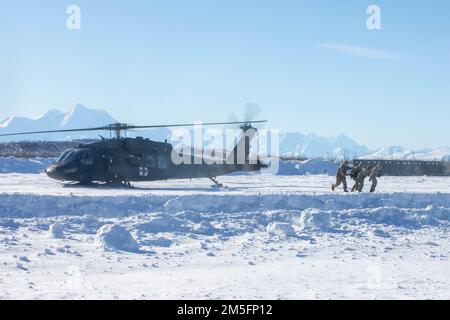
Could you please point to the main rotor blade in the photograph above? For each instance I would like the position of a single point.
(193, 124)
(122, 127)
(52, 131)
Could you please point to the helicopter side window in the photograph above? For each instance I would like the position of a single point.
(162, 161)
(135, 159)
(150, 160)
(86, 159)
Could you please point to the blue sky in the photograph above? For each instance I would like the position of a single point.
(313, 66)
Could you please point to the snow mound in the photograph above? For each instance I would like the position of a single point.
(205, 228)
(161, 223)
(315, 219)
(89, 222)
(115, 237)
(17, 205)
(402, 217)
(281, 229)
(56, 231)
(9, 223)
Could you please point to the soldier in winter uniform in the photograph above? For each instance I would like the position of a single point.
(340, 176)
(354, 175)
(373, 177)
(362, 175)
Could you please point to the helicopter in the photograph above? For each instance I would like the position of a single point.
(120, 160)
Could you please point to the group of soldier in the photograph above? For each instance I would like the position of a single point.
(359, 174)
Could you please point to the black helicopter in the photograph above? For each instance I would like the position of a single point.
(120, 160)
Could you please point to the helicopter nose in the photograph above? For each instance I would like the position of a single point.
(54, 172)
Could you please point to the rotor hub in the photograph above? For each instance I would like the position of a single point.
(117, 128)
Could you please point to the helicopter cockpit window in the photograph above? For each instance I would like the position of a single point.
(62, 156)
(162, 161)
(65, 156)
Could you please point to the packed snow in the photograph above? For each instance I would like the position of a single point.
(260, 236)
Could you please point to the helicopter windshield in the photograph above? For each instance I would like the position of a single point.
(76, 155)
(65, 156)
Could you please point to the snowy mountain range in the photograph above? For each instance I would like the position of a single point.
(291, 143)
(313, 146)
(77, 117)
(400, 153)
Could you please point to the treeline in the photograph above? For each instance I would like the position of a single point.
(293, 158)
(34, 149)
(303, 158)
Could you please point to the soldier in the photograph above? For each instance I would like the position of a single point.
(340, 176)
(354, 175)
(362, 175)
(373, 177)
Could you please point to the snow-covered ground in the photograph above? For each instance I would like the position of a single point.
(259, 237)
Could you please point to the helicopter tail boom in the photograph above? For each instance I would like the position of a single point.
(241, 152)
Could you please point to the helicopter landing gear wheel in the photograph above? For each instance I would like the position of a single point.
(84, 181)
(216, 183)
(128, 184)
(125, 184)
(120, 183)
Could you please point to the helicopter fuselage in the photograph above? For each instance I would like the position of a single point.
(134, 159)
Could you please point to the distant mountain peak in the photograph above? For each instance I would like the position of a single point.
(51, 114)
(402, 153)
(5, 123)
(80, 108)
(53, 111)
(81, 116)
(343, 137)
(78, 116)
